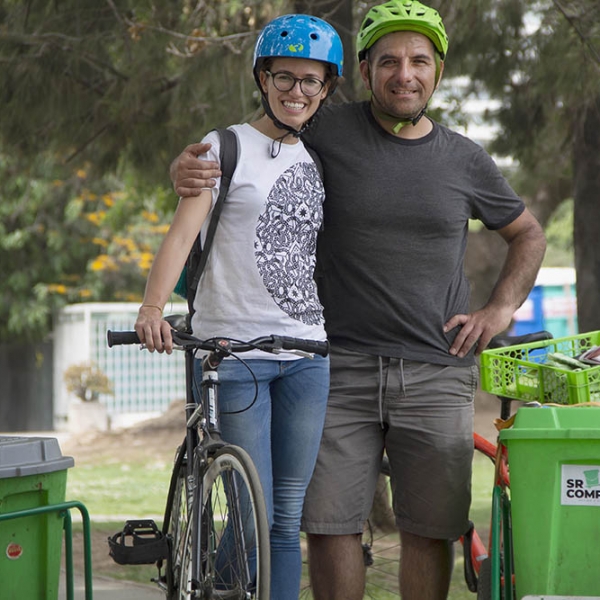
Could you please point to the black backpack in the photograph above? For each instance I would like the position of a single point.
(196, 261)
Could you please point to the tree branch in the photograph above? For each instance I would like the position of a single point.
(584, 39)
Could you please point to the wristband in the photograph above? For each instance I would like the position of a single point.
(152, 306)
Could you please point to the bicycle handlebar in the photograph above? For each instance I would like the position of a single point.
(121, 338)
(503, 340)
(271, 343)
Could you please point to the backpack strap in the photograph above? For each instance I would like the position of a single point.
(228, 158)
(316, 158)
(319, 166)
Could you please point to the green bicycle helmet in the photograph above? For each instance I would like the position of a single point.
(401, 15)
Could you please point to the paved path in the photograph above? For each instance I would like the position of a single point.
(104, 588)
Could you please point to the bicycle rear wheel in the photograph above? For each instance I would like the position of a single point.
(380, 546)
(381, 542)
(228, 533)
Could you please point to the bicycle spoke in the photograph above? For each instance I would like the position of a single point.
(232, 543)
(382, 575)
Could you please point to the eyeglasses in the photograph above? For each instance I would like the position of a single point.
(284, 82)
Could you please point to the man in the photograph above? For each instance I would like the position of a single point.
(400, 190)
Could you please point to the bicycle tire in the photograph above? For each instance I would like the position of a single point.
(175, 524)
(233, 533)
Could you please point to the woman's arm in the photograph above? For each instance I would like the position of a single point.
(166, 268)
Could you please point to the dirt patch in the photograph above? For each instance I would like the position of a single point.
(164, 432)
(168, 430)
(487, 408)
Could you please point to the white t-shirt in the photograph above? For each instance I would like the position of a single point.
(259, 276)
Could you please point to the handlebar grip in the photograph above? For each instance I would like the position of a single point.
(312, 346)
(119, 338)
(503, 340)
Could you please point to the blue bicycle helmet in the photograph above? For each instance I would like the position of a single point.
(300, 36)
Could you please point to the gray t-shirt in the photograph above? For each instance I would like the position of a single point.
(390, 258)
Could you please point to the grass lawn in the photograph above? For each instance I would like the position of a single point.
(115, 488)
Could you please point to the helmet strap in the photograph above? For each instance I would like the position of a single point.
(278, 123)
(400, 123)
(276, 149)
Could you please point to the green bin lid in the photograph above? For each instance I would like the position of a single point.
(555, 422)
(22, 456)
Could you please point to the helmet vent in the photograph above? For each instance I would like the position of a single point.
(314, 36)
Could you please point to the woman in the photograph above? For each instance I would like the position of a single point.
(259, 278)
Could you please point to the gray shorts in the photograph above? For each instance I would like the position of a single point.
(422, 416)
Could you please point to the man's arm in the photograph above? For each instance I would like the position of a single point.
(526, 248)
(189, 174)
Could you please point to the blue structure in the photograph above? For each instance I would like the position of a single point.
(551, 305)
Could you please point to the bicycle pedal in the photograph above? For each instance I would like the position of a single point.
(139, 543)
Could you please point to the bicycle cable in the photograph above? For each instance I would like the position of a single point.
(255, 381)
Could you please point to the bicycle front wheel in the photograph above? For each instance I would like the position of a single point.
(227, 555)
(177, 519)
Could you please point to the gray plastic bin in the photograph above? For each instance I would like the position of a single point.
(33, 473)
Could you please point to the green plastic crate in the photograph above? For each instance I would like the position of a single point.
(520, 372)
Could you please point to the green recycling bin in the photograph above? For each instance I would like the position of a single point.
(33, 473)
(554, 462)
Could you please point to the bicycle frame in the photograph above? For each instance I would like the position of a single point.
(215, 535)
(499, 551)
(203, 440)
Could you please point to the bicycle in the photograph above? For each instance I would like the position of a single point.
(540, 371)
(477, 556)
(214, 542)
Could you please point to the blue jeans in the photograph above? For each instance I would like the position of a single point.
(281, 431)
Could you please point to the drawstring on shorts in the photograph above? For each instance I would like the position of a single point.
(380, 390)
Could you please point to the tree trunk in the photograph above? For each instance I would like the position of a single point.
(586, 177)
(26, 402)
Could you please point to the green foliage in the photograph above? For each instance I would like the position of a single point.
(64, 239)
(87, 381)
(98, 97)
(124, 82)
(524, 54)
(101, 97)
